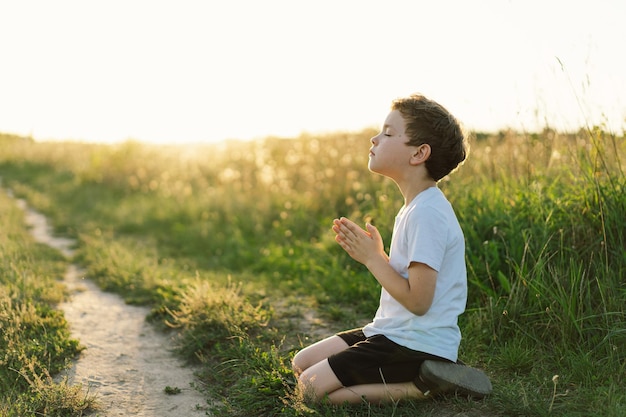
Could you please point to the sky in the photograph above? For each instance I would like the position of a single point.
(200, 71)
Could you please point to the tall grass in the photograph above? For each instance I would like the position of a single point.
(248, 223)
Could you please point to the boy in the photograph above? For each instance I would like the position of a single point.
(423, 280)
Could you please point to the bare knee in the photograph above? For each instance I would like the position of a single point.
(316, 353)
(317, 381)
(303, 360)
(298, 364)
(307, 381)
(309, 387)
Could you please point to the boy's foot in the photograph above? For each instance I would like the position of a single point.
(439, 377)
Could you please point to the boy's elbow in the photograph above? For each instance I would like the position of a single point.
(419, 309)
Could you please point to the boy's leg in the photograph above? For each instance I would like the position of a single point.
(376, 393)
(317, 381)
(316, 353)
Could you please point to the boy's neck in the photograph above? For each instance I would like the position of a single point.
(411, 190)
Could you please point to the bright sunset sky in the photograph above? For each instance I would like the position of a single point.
(186, 71)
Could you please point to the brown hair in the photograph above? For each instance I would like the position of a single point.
(428, 122)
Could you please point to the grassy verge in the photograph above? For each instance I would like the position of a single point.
(34, 337)
(230, 244)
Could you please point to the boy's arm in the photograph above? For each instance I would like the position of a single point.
(366, 246)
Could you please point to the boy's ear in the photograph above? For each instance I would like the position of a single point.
(421, 154)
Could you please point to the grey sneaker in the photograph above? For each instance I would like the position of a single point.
(439, 377)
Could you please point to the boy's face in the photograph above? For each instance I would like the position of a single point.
(389, 154)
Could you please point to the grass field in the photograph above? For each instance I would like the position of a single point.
(231, 246)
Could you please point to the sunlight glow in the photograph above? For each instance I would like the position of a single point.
(197, 71)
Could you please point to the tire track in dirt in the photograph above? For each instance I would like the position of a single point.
(127, 363)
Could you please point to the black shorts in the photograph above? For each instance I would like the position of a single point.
(375, 360)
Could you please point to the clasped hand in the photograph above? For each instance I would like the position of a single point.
(362, 245)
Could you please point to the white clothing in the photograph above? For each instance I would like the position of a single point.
(426, 231)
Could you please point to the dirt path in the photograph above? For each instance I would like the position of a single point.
(126, 363)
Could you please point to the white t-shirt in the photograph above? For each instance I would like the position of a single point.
(426, 231)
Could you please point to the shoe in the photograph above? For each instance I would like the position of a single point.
(439, 377)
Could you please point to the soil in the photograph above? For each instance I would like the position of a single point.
(127, 364)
